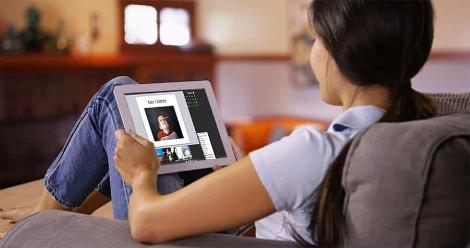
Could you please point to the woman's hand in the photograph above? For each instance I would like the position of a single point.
(135, 158)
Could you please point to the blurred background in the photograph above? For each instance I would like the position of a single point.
(55, 54)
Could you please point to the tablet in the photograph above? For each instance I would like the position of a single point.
(181, 119)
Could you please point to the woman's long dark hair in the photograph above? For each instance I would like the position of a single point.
(373, 42)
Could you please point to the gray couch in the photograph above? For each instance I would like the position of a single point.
(407, 185)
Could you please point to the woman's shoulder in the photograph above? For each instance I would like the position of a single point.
(312, 145)
(294, 166)
(310, 136)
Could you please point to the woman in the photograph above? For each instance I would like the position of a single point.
(364, 57)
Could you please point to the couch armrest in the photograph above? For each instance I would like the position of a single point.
(65, 229)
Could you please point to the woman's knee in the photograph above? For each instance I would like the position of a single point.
(121, 80)
(107, 88)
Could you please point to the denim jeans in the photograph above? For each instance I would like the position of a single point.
(86, 160)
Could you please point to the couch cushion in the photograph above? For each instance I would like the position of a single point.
(408, 184)
(65, 229)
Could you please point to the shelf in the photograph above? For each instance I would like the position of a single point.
(98, 61)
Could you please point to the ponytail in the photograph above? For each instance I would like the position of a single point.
(408, 104)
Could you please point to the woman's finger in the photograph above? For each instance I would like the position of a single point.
(141, 140)
(121, 135)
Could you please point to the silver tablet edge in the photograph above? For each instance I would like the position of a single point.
(120, 90)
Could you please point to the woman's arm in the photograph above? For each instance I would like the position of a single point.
(227, 198)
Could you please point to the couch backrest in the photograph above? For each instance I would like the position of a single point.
(408, 184)
(450, 103)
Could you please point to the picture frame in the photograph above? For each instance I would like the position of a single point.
(301, 36)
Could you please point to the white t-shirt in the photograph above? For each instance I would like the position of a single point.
(293, 168)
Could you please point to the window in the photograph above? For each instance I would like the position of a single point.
(140, 24)
(174, 27)
(156, 25)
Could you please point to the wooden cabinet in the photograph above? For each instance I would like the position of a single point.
(42, 95)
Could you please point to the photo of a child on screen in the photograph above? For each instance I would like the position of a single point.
(165, 133)
(164, 123)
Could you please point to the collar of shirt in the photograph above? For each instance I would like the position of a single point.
(357, 118)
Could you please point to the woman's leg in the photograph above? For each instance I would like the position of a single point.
(86, 161)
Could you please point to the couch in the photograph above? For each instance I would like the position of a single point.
(407, 185)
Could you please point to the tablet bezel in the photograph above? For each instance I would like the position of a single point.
(121, 90)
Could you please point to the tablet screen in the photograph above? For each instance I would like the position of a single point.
(180, 124)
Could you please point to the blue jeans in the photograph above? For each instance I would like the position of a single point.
(86, 161)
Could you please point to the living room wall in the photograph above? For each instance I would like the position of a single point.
(261, 81)
(256, 88)
(235, 27)
(232, 26)
(258, 30)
